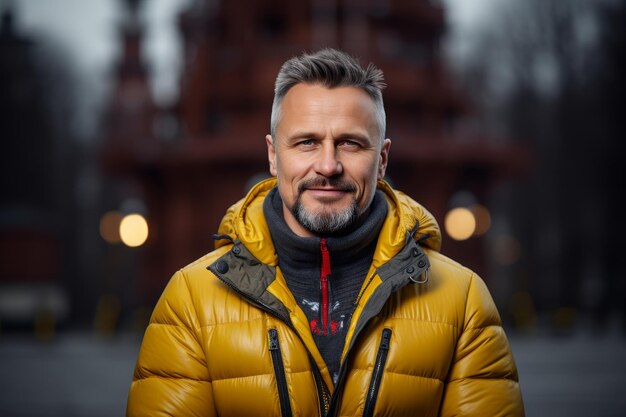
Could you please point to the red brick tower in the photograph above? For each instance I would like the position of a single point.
(232, 53)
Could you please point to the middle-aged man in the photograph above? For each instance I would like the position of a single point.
(326, 294)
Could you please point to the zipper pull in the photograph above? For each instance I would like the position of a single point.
(324, 274)
(273, 333)
(386, 337)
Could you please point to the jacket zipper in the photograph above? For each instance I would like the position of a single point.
(377, 373)
(322, 391)
(279, 372)
(363, 320)
(324, 275)
(324, 396)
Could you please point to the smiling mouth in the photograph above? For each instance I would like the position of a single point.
(327, 195)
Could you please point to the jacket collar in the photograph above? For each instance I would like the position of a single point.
(244, 273)
(250, 266)
(245, 221)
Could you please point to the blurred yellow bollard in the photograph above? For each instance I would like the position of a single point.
(45, 325)
(565, 318)
(107, 315)
(522, 310)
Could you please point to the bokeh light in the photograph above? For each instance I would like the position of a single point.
(460, 223)
(134, 230)
(110, 226)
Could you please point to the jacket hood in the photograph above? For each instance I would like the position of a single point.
(245, 221)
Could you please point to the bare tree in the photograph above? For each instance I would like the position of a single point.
(537, 71)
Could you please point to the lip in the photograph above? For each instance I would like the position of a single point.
(327, 192)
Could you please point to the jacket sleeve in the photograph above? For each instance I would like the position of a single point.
(483, 379)
(171, 376)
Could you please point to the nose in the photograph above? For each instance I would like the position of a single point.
(327, 163)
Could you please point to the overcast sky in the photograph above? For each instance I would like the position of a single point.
(87, 29)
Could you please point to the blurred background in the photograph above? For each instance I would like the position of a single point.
(130, 126)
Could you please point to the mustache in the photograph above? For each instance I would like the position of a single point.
(326, 182)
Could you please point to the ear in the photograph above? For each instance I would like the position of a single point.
(384, 158)
(271, 154)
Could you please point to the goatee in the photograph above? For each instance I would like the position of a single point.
(326, 222)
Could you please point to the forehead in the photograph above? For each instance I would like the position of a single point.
(316, 105)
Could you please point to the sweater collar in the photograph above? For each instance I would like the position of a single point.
(304, 251)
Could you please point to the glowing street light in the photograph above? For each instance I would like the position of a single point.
(460, 223)
(133, 230)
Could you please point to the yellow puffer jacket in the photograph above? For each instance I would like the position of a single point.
(228, 339)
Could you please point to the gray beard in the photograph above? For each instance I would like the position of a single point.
(325, 223)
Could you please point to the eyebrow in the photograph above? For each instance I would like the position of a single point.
(354, 135)
(301, 134)
(310, 134)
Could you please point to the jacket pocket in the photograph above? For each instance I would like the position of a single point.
(377, 373)
(279, 372)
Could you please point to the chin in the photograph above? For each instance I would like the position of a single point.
(322, 208)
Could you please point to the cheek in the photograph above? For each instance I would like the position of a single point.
(296, 174)
(290, 167)
(288, 179)
(366, 181)
(366, 174)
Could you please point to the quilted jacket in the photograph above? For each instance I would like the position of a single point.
(227, 337)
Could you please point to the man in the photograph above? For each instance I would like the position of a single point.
(326, 293)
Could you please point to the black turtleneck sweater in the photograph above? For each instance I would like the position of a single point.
(302, 263)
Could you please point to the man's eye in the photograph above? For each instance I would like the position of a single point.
(349, 144)
(306, 142)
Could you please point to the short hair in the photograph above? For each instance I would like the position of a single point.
(330, 68)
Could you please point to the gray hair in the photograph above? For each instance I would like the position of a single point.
(330, 68)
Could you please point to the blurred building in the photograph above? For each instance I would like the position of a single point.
(186, 164)
(33, 237)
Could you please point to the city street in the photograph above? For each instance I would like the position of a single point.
(82, 375)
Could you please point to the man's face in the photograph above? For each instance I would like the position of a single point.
(327, 157)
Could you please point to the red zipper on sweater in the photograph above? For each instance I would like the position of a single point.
(324, 274)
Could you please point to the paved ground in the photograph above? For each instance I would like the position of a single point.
(581, 376)
(77, 375)
(80, 375)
